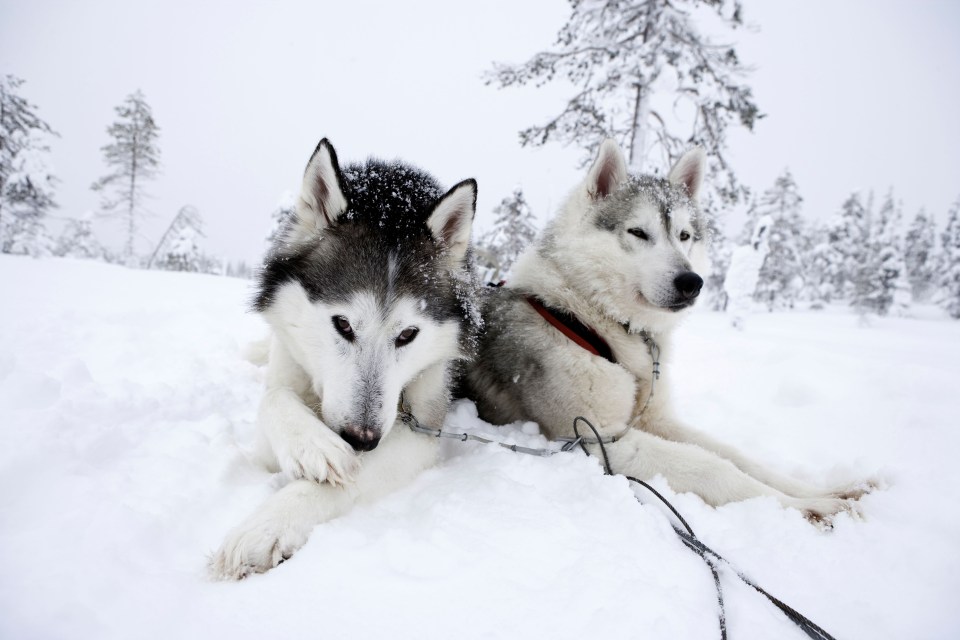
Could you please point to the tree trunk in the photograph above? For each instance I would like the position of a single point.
(130, 204)
(638, 129)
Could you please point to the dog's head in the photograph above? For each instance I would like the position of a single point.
(634, 244)
(363, 287)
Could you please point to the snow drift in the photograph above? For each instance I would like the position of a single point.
(126, 405)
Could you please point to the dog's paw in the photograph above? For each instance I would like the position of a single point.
(821, 511)
(255, 546)
(857, 490)
(319, 457)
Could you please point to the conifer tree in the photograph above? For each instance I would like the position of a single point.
(26, 183)
(887, 271)
(849, 237)
(284, 211)
(919, 247)
(78, 240)
(134, 158)
(950, 265)
(820, 268)
(513, 229)
(781, 277)
(644, 74)
(179, 248)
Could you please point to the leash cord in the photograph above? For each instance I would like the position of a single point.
(709, 556)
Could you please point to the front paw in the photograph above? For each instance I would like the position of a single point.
(320, 457)
(255, 546)
(857, 490)
(821, 511)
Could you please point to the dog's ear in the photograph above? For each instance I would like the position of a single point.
(608, 171)
(322, 200)
(688, 171)
(451, 220)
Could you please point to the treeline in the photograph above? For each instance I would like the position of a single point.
(132, 157)
(866, 255)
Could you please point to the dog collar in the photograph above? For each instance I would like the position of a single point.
(568, 324)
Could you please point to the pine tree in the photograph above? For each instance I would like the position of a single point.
(646, 76)
(820, 268)
(179, 247)
(513, 229)
(849, 237)
(284, 211)
(78, 240)
(26, 184)
(720, 256)
(886, 268)
(780, 281)
(919, 245)
(950, 278)
(134, 158)
(750, 224)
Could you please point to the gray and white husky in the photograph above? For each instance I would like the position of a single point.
(574, 331)
(369, 296)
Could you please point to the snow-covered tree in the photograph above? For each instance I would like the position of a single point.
(780, 281)
(950, 265)
(514, 229)
(27, 200)
(849, 237)
(646, 75)
(714, 292)
(239, 269)
(78, 240)
(750, 224)
(745, 263)
(133, 157)
(919, 246)
(820, 268)
(889, 290)
(26, 183)
(284, 211)
(179, 248)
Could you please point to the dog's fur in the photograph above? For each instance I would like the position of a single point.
(369, 294)
(621, 257)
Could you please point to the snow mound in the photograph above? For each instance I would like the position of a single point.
(127, 405)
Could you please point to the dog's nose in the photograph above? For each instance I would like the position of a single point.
(361, 438)
(688, 284)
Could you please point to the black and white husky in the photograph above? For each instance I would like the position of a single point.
(369, 296)
(574, 331)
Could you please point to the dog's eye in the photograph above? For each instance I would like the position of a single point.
(406, 336)
(342, 325)
(684, 236)
(640, 233)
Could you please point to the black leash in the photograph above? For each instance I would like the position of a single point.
(711, 557)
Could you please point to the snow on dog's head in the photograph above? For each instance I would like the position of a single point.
(634, 244)
(369, 287)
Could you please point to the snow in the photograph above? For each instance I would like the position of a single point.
(126, 405)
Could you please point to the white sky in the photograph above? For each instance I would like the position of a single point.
(859, 94)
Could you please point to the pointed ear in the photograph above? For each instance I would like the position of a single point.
(608, 171)
(688, 172)
(451, 220)
(321, 199)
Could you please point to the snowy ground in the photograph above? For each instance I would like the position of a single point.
(126, 402)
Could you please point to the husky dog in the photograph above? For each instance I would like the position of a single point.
(369, 296)
(574, 333)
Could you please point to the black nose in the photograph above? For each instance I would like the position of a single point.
(361, 438)
(688, 284)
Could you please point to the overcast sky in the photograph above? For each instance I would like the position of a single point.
(858, 95)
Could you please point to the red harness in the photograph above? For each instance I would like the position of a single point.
(568, 324)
